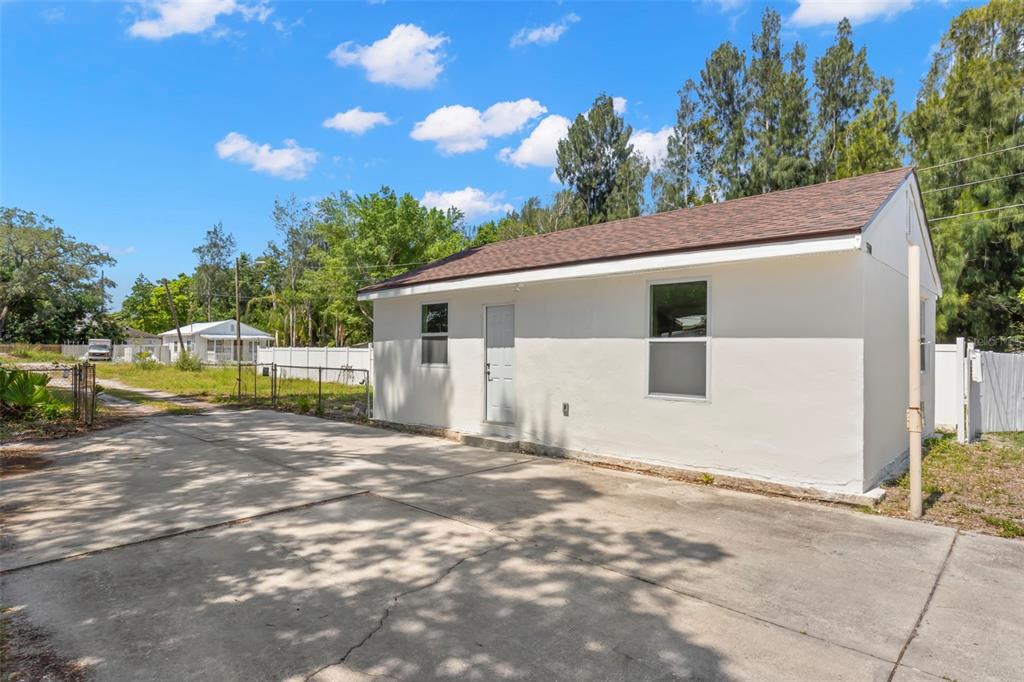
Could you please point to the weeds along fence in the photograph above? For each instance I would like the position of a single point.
(327, 391)
(74, 384)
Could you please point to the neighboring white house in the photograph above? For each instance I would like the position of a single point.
(215, 342)
(142, 340)
(763, 338)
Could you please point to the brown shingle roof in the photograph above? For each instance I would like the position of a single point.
(827, 209)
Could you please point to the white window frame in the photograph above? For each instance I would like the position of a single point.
(435, 335)
(706, 340)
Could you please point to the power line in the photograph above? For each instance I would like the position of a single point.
(985, 210)
(970, 158)
(976, 182)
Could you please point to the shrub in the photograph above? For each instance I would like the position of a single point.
(303, 404)
(187, 362)
(22, 393)
(145, 360)
(51, 411)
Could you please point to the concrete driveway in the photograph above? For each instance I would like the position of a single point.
(243, 545)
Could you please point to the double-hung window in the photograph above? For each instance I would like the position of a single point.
(678, 339)
(434, 334)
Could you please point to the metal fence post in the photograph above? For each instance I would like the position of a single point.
(273, 385)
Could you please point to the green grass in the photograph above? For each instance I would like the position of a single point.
(26, 352)
(1007, 528)
(165, 406)
(218, 384)
(971, 485)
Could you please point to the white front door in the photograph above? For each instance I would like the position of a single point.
(499, 373)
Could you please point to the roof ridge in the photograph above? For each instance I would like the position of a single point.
(907, 169)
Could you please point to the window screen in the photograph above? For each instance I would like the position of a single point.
(679, 368)
(434, 334)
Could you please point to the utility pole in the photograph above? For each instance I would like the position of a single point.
(174, 315)
(238, 330)
(914, 375)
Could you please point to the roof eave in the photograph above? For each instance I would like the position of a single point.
(825, 242)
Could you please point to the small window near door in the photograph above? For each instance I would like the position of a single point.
(678, 340)
(434, 334)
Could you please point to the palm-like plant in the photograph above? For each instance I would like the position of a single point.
(22, 392)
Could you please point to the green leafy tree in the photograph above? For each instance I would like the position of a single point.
(213, 275)
(843, 85)
(367, 238)
(872, 141)
(51, 285)
(146, 307)
(971, 103)
(597, 161)
(724, 103)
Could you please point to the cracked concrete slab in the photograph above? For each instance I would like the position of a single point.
(344, 453)
(133, 483)
(530, 613)
(974, 627)
(806, 566)
(274, 598)
(609, 575)
(174, 473)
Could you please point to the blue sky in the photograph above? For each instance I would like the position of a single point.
(136, 126)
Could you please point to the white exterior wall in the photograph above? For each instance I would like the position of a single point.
(885, 339)
(785, 393)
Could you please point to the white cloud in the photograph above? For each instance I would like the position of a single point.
(357, 121)
(540, 147)
(728, 5)
(52, 15)
(619, 105)
(815, 12)
(408, 57)
(474, 203)
(117, 251)
(457, 129)
(652, 145)
(543, 35)
(166, 18)
(290, 162)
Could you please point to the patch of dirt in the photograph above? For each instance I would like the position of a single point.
(976, 486)
(14, 461)
(26, 653)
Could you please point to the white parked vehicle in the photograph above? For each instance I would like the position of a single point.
(99, 350)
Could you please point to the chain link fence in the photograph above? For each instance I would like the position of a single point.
(325, 391)
(74, 384)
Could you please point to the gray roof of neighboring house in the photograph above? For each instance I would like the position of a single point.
(200, 327)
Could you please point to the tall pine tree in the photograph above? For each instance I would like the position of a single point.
(597, 161)
(970, 103)
(724, 102)
(843, 82)
(779, 125)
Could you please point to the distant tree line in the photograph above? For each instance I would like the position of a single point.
(749, 122)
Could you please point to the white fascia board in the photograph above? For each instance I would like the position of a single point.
(623, 266)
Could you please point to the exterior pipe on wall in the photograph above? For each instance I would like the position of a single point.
(914, 374)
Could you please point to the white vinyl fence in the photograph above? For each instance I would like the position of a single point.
(122, 352)
(978, 391)
(303, 363)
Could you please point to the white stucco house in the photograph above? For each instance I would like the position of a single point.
(761, 338)
(215, 342)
